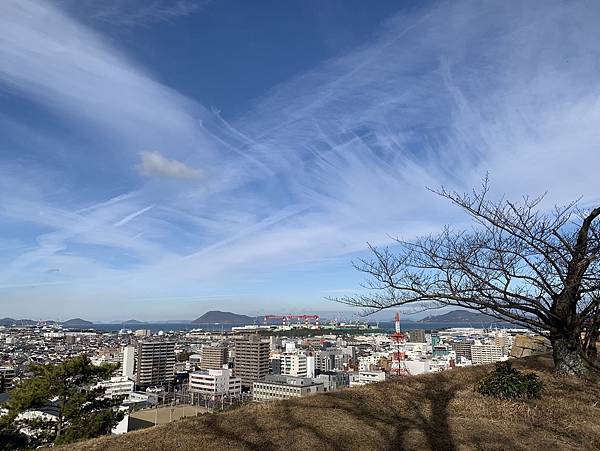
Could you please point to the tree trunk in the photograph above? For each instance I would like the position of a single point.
(591, 343)
(568, 356)
(592, 352)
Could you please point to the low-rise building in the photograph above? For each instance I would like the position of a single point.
(415, 367)
(195, 360)
(117, 386)
(215, 382)
(333, 380)
(140, 400)
(7, 374)
(275, 386)
(367, 377)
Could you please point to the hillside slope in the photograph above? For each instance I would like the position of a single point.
(431, 412)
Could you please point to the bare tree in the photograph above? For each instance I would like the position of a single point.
(519, 263)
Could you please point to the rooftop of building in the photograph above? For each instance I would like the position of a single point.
(281, 379)
(212, 372)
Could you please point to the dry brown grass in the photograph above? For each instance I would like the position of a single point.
(431, 412)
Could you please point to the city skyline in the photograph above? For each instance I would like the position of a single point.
(175, 158)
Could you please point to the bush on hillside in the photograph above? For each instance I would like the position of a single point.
(506, 382)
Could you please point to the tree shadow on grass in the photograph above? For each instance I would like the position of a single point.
(399, 416)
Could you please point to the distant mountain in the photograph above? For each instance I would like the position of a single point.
(216, 316)
(459, 316)
(77, 322)
(134, 321)
(19, 322)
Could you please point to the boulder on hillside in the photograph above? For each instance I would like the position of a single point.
(525, 345)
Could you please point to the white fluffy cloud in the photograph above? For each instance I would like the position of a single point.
(153, 164)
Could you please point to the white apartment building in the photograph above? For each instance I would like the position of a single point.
(276, 386)
(215, 382)
(367, 377)
(365, 363)
(290, 346)
(415, 350)
(481, 353)
(293, 364)
(117, 386)
(415, 367)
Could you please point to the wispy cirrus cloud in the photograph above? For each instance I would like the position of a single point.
(325, 162)
(133, 13)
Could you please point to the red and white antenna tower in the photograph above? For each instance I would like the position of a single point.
(398, 367)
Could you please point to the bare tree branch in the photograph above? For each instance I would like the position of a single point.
(520, 263)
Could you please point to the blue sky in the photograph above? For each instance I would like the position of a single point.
(159, 159)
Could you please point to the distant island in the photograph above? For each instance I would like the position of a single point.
(460, 316)
(77, 322)
(215, 316)
(134, 321)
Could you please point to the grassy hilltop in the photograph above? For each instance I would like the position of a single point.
(430, 412)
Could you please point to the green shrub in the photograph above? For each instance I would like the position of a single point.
(506, 382)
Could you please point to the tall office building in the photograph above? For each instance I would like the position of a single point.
(155, 362)
(502, 340)
(481, 353)
(324, 361)
(214, 357)
(417, 336)
(462, 349)
(251, 358)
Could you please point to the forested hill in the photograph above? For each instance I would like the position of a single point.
(216, 316)
(77, 322)
(459, 316)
